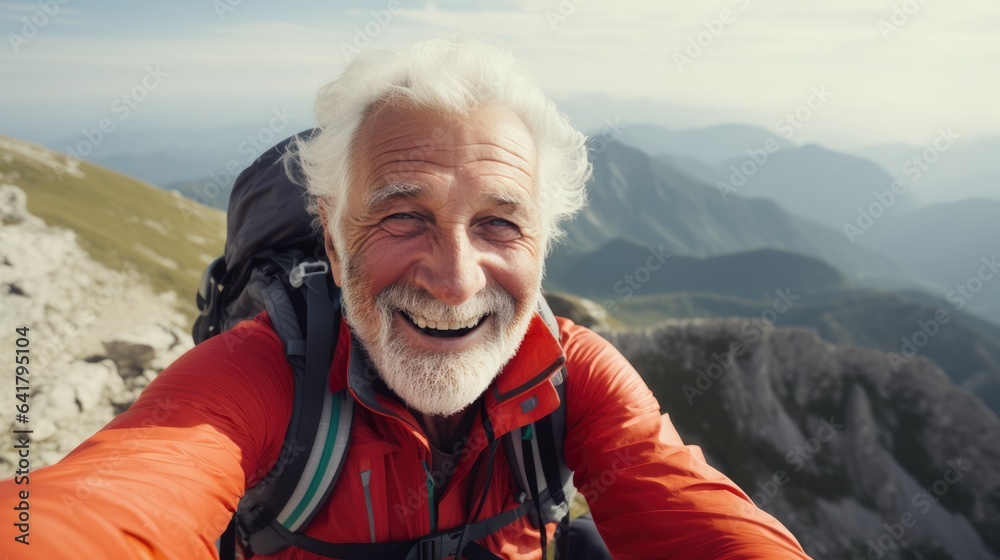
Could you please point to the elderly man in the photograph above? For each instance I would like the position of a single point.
(439, 176)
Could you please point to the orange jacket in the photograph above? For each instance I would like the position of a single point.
(162, 479)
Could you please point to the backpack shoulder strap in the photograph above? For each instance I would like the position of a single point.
(535, 451)
(319, 429)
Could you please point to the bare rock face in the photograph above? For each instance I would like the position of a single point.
(97, 336)
(856, 460)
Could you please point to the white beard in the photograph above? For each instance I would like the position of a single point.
(432, 383)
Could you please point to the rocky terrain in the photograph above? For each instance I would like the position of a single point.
(856, 460)
(98, 336)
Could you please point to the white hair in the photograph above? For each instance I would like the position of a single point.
(455, 77)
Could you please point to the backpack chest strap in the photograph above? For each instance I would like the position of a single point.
(435, 546)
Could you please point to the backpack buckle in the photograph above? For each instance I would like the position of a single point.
(299, 272)
(437, 546)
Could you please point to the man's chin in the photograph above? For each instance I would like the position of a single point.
(441, 384)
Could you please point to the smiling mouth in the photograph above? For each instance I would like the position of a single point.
(443, 330)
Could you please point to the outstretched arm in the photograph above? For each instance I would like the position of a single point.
(652, 496)
(163, 478)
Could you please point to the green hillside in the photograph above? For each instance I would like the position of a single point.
(121, 222)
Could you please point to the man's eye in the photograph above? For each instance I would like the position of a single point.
(500, 229)
(403, 223)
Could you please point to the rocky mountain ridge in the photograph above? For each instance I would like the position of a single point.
(857, 460)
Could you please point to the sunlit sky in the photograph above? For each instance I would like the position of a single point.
(897, 81)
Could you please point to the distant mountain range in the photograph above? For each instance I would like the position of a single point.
(630, 287)
(598, 113)
(713, 144)
(825, 186)
(969, 168)
(635, 197)
(754, 274)
(954, 244)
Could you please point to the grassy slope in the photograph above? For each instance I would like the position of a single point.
(120, 221)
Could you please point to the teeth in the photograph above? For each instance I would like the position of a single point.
(425, 323)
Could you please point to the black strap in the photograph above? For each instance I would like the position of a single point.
(432, 547)
(532, 476)
(310, 380)
(227, 542)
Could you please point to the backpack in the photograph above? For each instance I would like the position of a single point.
(274, 260)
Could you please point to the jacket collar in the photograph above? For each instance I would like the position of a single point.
(523, 392)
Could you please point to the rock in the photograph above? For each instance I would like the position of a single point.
(13, 206)
(73, 305)
(130, 357)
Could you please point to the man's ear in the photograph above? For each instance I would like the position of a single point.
(328, 245)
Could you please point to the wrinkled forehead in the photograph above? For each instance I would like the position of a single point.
(400, 137)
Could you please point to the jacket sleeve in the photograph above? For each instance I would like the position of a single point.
(163, 478)
(651, 496)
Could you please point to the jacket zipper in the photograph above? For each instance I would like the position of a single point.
(366, 476)
(431, 504)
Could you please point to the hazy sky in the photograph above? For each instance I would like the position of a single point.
(234, 61)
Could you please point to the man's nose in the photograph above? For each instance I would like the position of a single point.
(452, 272)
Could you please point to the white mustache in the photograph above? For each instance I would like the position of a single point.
(418, 302)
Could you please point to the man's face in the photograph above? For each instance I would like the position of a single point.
(444, 250)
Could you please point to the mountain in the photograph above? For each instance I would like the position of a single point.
(635, 197)
(630, 285)
(953, 244)
(856, 459)
(946, 169)
(164, 167)
(819, 184)
(890, 157)
(594, 112)
(163, 156)
(751, 274)
(711, 144)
